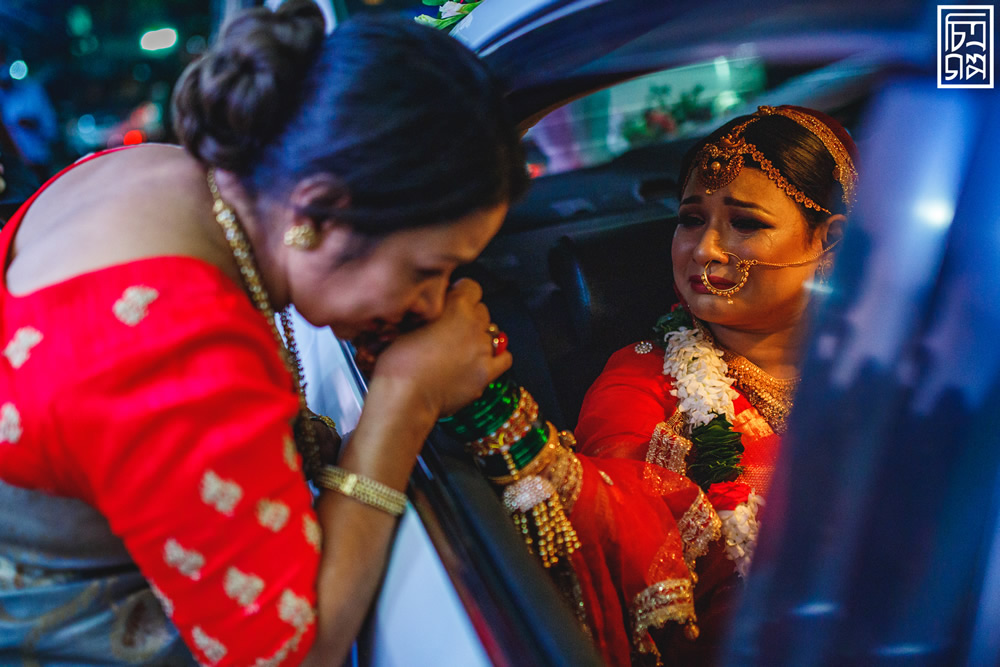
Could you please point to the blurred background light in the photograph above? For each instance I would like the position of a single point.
(934, 212)
(18, 70)
(133, 137)
(141, 72)
(722, 69)
(157, 40)
(86, 124)
(196, 45)
(79, 21)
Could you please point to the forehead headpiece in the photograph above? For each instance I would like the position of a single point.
(717, 164)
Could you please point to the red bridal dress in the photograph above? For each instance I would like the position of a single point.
(146, 420)
(657, 564)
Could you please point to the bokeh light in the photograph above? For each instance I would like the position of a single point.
(158, 40)
(18, 70)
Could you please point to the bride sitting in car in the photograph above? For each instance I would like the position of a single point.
(678, 437)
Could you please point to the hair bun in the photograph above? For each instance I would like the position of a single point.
(239, 95)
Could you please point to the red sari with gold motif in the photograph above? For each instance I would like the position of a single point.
(652, 563)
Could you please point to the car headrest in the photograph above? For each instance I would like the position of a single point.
(616, 281)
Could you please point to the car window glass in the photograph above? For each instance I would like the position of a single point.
(664, 106)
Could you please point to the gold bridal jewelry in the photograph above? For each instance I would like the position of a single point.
(743, 266)
(719, 163)
(243, 254)
(361, 488)
(772, 397)
(301, 237)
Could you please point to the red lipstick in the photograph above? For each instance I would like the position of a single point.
(718, 283)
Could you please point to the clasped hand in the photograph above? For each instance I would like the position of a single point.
(449, 361)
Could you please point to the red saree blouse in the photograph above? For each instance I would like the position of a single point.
(154, 391)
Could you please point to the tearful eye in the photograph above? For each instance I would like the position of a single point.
(748, 224)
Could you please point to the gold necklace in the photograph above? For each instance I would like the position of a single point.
(772, 397)
(306, 440)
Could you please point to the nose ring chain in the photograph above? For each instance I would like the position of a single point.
(743, 266)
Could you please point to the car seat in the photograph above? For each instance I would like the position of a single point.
(614, 284)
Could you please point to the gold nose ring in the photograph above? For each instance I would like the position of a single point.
(742, 265)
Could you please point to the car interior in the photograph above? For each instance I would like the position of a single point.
(580, 269)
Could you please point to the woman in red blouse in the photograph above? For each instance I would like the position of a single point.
(152, 436)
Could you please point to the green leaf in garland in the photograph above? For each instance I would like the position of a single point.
(434, 3)
(715, 453)
(672, 321)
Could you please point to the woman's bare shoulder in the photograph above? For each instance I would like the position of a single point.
(143, 202)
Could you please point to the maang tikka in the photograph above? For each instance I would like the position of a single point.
(718, 164)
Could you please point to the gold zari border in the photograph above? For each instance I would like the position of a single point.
(664, 601)
(667, 447)
(699, 527)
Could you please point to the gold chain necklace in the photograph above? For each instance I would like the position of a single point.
(305, 441)
(772, 397)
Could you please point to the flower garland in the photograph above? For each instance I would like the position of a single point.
(450, 12)
(737, 506)
(705, 398)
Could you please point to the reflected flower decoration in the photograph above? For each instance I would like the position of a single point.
(450, 9)
(450, 12)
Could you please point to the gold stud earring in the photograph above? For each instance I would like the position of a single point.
(301, 237)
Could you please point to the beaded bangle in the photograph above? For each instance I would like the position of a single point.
(363, 489)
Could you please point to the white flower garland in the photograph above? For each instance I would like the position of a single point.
(700, 383)
(703, 391)
(739, 528)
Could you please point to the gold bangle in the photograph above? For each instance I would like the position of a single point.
(363, 489)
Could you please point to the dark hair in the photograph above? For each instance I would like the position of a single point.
(796, 152)
(408, 119)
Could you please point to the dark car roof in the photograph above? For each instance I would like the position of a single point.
(551, 50)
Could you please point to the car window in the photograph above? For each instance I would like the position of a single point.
(663, 106)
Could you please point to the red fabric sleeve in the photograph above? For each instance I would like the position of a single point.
(639, 525)
(184, 444)
(624, 405)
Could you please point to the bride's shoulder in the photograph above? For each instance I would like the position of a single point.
(644, 358)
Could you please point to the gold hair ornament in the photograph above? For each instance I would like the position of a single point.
(719, 163)
(743, 266)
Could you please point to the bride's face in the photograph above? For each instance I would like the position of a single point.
(752, 218)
